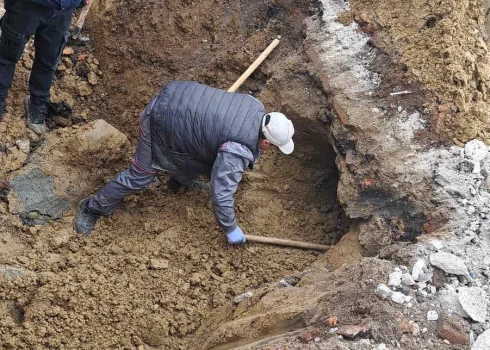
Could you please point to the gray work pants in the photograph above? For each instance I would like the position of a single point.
(137, 177)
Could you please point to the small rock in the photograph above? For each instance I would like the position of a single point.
(418, 269)
(239, 298)
(395, 279)
(472, 300)
(400, 298)
(432, 315)
(475, 151)
(482, 342)
(68, 51)
(407, 279)
(449, 263)
(10, 272)
(92, 78)
(436, 245)
(24, 145)
(352, 331)
(452, 329)
(424, 330)
(159, 264)
(438, 278)
(383, 291)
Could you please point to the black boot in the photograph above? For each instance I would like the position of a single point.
(86, 218)
(35, 116)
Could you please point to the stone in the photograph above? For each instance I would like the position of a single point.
(450, 303)
(395, 279)
(407, 279)
(482, 342)
(475, 151)
(435, 245)
(383, 291)
(92, 78)
(432, 315)
(68, 51)
(33, 196)
(9, 273)
(158, 264)
(451, 328)
(23, 145)
(239, 298)
(400, 298)
(418, 268)
(472, 300)
(438, 278)
(351, 331)
(449, 263)
(66, 167)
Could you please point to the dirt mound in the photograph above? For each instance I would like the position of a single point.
(442, 45)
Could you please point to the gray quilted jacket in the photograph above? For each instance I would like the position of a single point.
(203, 130)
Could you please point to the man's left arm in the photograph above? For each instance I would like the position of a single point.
(231, 162)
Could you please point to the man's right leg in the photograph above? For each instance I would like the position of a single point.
(19, 23)
(134, 179)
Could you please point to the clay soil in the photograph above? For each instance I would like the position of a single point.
(150, 275)
(441, 44)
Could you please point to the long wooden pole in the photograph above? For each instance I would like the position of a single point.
(287, 243)
(254, 65)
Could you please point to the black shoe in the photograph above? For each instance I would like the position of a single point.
(35, 116)
(86, 218)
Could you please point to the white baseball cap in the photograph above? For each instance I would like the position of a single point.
(279, 130)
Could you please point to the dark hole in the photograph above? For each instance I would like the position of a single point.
(430, 22)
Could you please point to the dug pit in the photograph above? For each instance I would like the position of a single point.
(150, 275)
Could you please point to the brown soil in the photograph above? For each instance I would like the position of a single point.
(150, 275)
(442, 45)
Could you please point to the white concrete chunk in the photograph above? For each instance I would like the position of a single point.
(395, 278)
(482, 342)
(383, 291)
(449, 263)
(418, 269)
(472, 300)
(407, 279)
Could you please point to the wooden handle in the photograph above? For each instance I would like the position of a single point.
(83, 14)
(254, 65)
(287, 243)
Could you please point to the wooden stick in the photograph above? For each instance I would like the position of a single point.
(254, 65)
(83, 15)
(287, 243)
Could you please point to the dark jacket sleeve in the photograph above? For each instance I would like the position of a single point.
(231, 162)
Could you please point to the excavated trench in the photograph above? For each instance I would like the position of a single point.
(151, 274)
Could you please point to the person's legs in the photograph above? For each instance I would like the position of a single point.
(132, 180)
(49, 41)
(18, 24)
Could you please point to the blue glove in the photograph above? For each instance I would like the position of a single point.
(236, 236)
